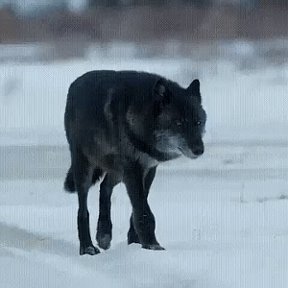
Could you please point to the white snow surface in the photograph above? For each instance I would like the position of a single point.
(222, 218)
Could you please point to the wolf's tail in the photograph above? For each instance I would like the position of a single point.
(69, 183)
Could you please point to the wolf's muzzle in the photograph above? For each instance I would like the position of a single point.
(198, 151)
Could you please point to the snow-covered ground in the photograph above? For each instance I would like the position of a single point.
(223, 219)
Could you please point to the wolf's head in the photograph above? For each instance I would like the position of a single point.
(179, 118)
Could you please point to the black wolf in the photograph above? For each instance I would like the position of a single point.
(122, 125)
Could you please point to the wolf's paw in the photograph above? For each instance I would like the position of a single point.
(153, 247)
(132, 238)
(90, 250)
(104, 241)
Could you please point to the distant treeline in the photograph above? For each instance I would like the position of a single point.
(111, 3)
(38, 8)
(125, 3)
(145, 23)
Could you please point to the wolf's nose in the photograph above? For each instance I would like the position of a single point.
(198, 151)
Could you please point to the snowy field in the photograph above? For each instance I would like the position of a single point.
(223, 218)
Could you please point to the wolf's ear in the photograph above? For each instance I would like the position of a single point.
(162, 96)
(194, 89)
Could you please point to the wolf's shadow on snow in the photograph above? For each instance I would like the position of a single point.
(15, 237)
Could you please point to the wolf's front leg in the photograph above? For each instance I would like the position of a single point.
(142, 216)
(132, 235)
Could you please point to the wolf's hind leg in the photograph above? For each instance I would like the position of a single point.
(104, 226)
(83, 173)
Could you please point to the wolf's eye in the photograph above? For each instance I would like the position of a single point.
(197, 123)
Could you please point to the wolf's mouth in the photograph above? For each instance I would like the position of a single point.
(188, 154)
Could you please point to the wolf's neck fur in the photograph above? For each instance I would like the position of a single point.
(147, 148)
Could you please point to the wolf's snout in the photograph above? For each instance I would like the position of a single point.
(198, 151)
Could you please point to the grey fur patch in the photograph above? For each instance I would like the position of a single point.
(135, 121)
(107, 109)
(167, 142)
